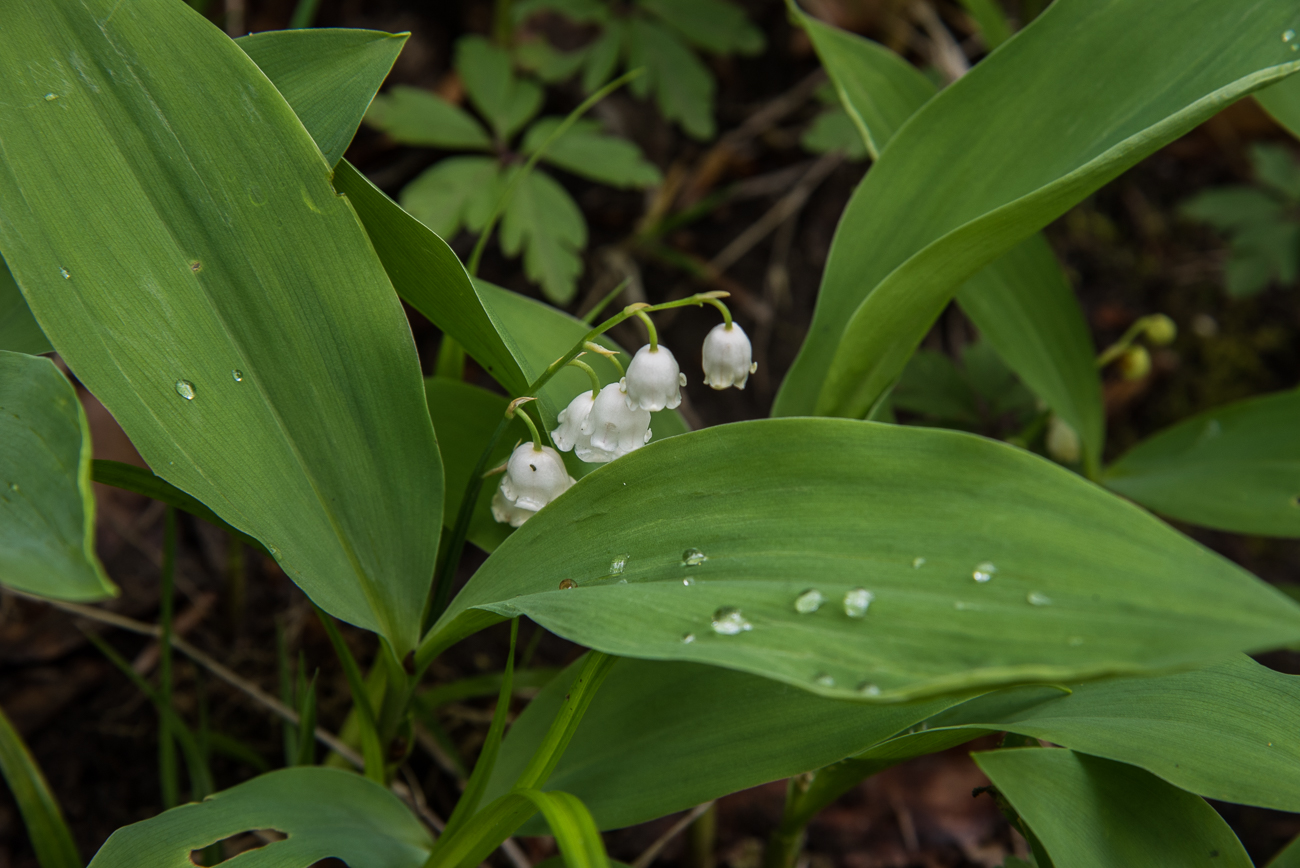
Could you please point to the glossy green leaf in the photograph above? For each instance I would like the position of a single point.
(714, 25)
(46, 828)
(414, 116)
(455, 192)
(542, 220)
(1082, 584)
(325, 813)
(1022, 303)
(329, 76)
(682, 84)
(506, 101)
(19, 331)
(991, 20)
(1172, 65)
(1234, 468)
(1088, 812)
(47, 506)
(1282, 101)
(661, 737)
(193, 287)
(586, 150)
(567, 818)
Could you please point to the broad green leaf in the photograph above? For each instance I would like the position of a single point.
(1289, 857)
(546, 62)
(455, 192)
(1282, 101)
(47, 505)
(416, 117)
(661, 737)
(1088, 811)
(568, 820)
(326, 813)
(602, 58)
(19, 331)
(581, 11)
(682, 84)
(1234, 468)
(991, 20)
(328, 75)
(714, 25)
(542, 220)
(1090, 90)
(216, 330)
(1021, 303)
(465, 418)
(834, 130)
(1230, 208)
(1080, 583)
(506, 101)
(932, 386)
(586, 150)
(46, 828)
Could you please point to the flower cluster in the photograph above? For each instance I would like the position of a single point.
(607, 422)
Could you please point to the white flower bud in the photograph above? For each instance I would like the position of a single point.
(653, 380)
(728, 357)
(611, 430)
(568, 433)
(1062, 441)
(533, 479)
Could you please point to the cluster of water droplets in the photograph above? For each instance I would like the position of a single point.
(728, 621)
(1289, 38)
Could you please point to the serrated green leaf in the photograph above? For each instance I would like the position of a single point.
(1234, 468)
(1088, 811)
(602, 58)
(455, 192)
(930, 228)
(46, 828)
(47, 505)
(581, 11)
(547, 62)
(333, 74)
(19, 331)
(682, 84)
(585, 149)
(416, 117)
(714, 25)
(782, 506)
(543, 221)
(160, 261)
(506, 101)
(834, 130)
(326, 813)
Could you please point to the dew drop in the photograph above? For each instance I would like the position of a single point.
(809, 601)
(185, 389)
(1287, 36)
(688, 581)
(825, 680)
(1034, 598)
(688, 638)
(727, 621)
(983, 572)
(13, 486)
(619, 564)
(66, 275)
(622, 581)
(857, 601)
(568, 585)
(51, 97)
(237, 375)
(917, 563)
(866, 688)
(693, 558)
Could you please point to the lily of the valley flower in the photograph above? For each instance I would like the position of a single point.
(728, 357)
(534, 477)
(612, 429)
(653, 380)
(568, 434)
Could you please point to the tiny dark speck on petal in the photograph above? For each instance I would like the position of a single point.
(532, 467)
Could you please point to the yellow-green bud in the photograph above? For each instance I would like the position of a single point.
(1062, 441)
(1161, 330)
(1135, 363)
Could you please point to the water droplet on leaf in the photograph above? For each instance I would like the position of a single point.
(809, 601)
(693, 558)
(617, 565)
(688, 638)
(14, 486)
(185, 389)
(727, 621)
(825, 680)
(688, 581)
(568, 585)
(983, 572)
(51, 97)
(1034, 598)
(237, 375)
(1287, 36)
(866, 688)
(917, 563)
(857, 601)
(66, 275)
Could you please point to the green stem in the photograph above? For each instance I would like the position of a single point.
(532, 426)
(590, 316)
(560, 130)
(726, 312)
(576, 701)
(595, 380)
(608, 354)
(1117, 349)
(650, 327)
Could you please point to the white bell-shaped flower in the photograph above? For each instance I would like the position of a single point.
(612, 429)
(728, 357)
(534, 477)
(572, 418)
(653, 381)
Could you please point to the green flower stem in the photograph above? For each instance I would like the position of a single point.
(590, 316)
(610, 355)
(513, 410)
(595, 380)
(1117, 349)
(560, 130)
(650, 327)
(726, 312)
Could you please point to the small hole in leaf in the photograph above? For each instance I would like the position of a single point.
(232, 846)
(196, 266)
